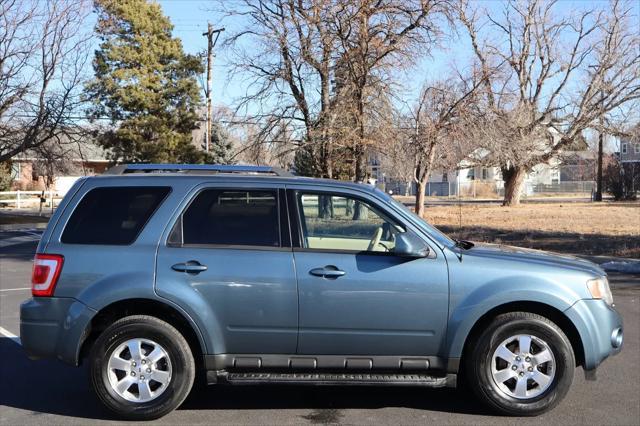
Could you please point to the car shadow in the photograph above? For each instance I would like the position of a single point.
(45, 386)
(51, 387)
(322, 398)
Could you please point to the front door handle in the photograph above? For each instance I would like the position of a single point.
(190, 267)
(328, 271)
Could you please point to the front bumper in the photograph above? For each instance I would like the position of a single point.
(600, 328)
(54, 327)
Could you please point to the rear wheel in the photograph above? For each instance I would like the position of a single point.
(521, 365)
(141, 367)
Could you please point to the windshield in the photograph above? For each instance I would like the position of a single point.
(433, 231)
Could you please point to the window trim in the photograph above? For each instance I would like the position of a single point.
(297, 217)
(142, 228)
(282, 246)
(624, 149)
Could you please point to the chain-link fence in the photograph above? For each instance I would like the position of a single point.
(483, 189)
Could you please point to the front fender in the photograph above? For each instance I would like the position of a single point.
(471, 307)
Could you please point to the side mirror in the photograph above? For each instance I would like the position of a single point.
(408, 245)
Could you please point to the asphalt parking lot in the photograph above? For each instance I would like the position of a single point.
(49, 392)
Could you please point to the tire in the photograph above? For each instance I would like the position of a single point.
(163, 351)
(534, 382)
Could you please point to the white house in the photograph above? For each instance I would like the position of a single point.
(487, 180)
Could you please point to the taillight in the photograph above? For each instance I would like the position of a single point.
(45, 273)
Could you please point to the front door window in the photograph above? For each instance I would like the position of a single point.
(341, 223)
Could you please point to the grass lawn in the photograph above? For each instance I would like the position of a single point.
(582, 228)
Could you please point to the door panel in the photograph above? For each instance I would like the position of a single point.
(227, 260)
(251, 293)
(382, 305)
(355, 296)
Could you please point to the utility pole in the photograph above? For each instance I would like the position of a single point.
(211, 43)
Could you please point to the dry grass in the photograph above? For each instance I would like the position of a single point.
(587, 228)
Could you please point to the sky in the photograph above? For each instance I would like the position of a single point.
(190, 18)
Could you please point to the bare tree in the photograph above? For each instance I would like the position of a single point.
(273, 144)
(377, 37)
(320, 64)
(397, 162)
(43, 54)
(288, 66)
(437, 126)
(543, 71)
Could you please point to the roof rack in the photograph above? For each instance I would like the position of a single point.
(195, 168)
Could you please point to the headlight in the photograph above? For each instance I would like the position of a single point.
(599, 289)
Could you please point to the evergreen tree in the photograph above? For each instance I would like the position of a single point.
(221, 146)
(145, 83)
(304, 161)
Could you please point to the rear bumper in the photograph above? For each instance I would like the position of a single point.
(600, 328)
(54, 327)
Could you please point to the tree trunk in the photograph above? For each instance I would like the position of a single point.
(325, 207)
(349, 207)
(419, 206)
(422, 172)
(513, 184)
(361, 212)
(361, 164)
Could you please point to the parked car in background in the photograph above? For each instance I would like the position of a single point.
(151, 272)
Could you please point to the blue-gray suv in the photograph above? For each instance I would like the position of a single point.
(154, 274)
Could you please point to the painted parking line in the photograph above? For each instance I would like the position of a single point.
(6, 333)
(34, 233)
(15, 289)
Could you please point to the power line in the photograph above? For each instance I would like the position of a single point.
(242, 121)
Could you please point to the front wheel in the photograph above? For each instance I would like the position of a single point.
(521, 365)
(141, 368)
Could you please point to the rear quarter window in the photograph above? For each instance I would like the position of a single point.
(113, 215)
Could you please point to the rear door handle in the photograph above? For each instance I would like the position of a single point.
(328, 271)
(190, 267)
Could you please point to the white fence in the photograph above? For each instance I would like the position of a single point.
(29, 199)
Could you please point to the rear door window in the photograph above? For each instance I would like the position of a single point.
(113, 215)
(230, 217)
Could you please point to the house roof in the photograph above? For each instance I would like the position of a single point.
(85, 151)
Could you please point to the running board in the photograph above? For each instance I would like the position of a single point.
(337, 379)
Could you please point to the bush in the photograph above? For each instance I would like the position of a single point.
(5, 177)
(622, 180)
